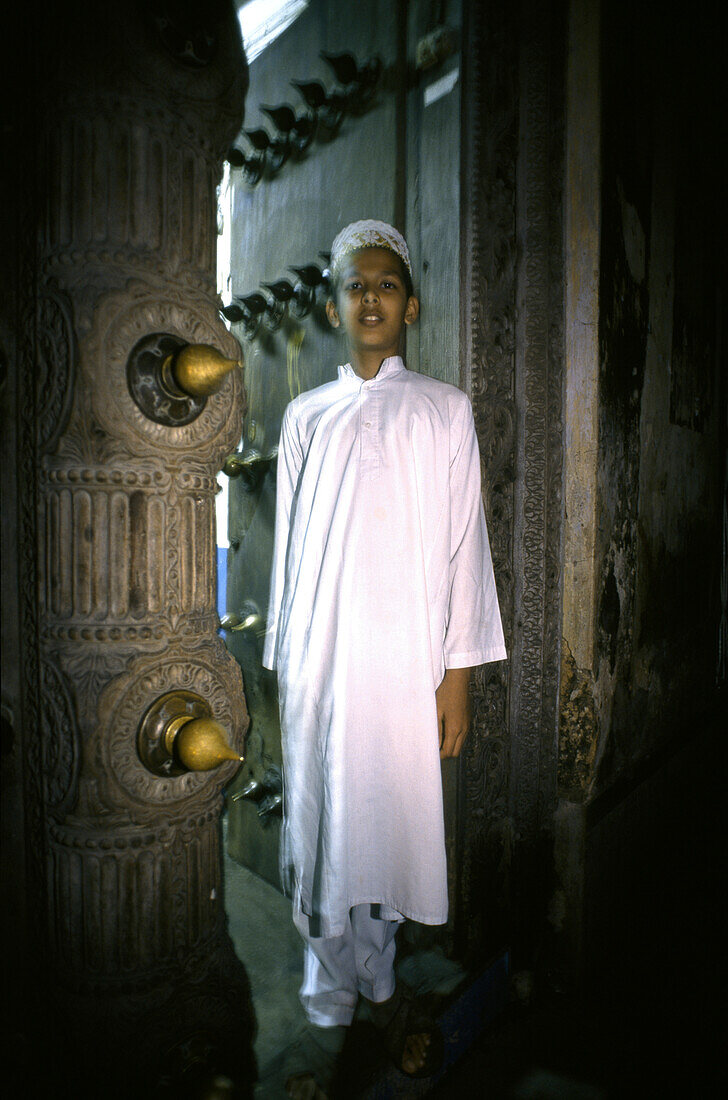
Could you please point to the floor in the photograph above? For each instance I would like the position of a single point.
(268, 945)
(516, 1055)
(654, 1028)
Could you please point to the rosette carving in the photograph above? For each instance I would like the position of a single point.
(209, 671)
(121, 320)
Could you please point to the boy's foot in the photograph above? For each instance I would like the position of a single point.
(411, 1037)
(310, 1061)
(304, 1087)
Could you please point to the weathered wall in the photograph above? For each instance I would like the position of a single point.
(656, 533)
(645, 440)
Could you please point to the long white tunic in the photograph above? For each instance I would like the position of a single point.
(382, 579)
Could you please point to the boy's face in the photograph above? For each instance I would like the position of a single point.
(372, 304)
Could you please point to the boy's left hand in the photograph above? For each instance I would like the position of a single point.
(453, 711)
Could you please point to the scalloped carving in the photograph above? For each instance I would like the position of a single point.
(60, 738)
(55, 366)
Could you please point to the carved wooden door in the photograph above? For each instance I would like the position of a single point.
(137, 105)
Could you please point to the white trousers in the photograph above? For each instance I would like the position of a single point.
(337, 969)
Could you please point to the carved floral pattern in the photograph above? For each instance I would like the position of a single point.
(490, 213)
(513, 213)
(90, 669)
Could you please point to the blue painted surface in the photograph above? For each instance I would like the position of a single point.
(222, 554)
(461, 1025)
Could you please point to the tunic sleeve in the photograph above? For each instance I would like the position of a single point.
(290, 459)
(474, 633)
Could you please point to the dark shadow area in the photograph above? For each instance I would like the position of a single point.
(652, 1019)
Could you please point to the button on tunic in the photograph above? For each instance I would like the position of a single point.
(381, 579)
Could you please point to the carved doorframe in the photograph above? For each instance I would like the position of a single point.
(136, 978)
(512, 340)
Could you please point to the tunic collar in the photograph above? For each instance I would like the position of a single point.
(391, 366)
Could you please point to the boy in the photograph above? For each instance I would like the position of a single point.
(382, 599)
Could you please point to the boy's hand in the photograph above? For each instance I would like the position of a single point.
(453, 711)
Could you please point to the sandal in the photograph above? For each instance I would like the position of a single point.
(399, 1019)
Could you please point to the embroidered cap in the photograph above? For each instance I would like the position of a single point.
(368, 234)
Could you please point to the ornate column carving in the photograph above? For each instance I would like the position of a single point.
(489, 263)
(512, 328)
(141, 102)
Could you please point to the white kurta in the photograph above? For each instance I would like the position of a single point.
(382, 579)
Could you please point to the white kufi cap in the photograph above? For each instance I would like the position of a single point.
(368, 234)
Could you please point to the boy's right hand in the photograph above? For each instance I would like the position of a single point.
(453, 711)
